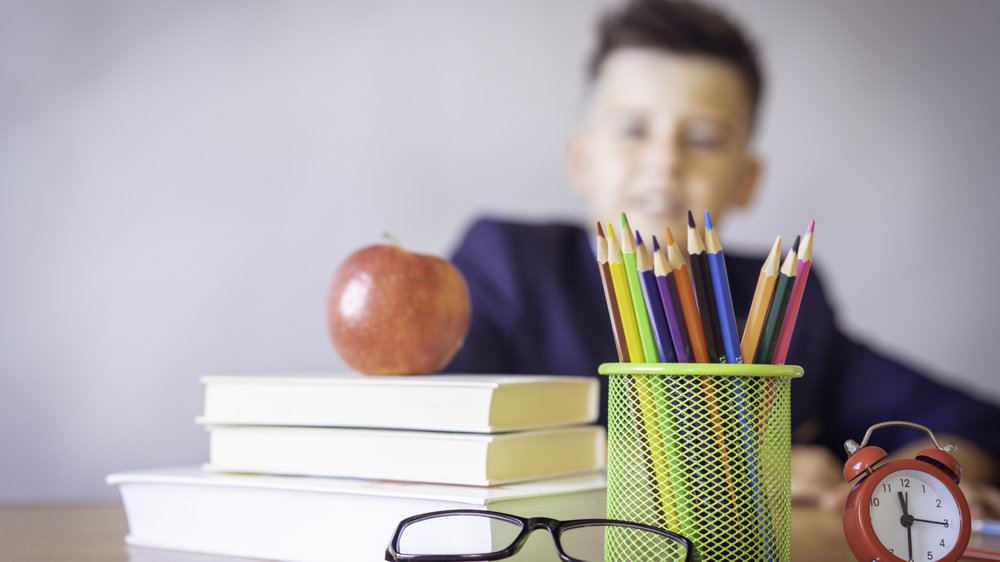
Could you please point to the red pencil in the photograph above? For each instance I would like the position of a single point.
(795, 300)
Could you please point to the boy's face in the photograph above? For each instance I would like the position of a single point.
(665, 133)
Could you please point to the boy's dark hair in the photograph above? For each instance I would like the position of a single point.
(682, 27)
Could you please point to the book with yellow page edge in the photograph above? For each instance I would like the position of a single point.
(300, 518)
(475, 459)
(466, 403)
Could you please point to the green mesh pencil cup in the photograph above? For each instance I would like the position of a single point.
(702, 450)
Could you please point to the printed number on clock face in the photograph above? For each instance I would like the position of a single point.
(915, 515)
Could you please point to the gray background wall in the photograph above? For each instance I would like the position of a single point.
(178, 181)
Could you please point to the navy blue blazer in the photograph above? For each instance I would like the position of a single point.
(539, 308)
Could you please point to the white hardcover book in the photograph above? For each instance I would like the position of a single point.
(313, 519)
(477, 459)
(468, 403)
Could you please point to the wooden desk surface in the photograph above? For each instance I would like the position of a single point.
(95, 532)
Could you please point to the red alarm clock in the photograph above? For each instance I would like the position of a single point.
(907, 509)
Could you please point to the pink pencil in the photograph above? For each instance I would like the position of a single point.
(795, 300)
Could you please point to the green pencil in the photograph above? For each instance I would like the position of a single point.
(779, 304)
(638, 302)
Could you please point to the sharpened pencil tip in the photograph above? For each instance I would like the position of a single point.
(638, 238)
(670, 237)
(656, 245)
(610, 230)
(600, 230)
(708, 220)
(812, 225)
(625, 226)
(795, 246)
(690, 219)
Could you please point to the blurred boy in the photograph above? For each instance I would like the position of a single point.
(676, 88)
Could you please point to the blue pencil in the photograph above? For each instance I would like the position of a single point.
(731, 345)
(723, 298)
(654, 306)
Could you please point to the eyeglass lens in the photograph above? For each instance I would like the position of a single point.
(458, 534)
(481, 534)
(634, 545)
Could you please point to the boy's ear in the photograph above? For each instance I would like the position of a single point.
(576, 161)
(752, 170)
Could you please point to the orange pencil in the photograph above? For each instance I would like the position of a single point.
(699, 348)
(689, 306)
(761, 301)
(779, 305)
(609, 296)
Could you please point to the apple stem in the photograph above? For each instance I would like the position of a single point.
(391, 238)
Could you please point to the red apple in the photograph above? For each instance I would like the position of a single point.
(394, 312)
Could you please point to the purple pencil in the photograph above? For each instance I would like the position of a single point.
(671, 304)
(657, 318)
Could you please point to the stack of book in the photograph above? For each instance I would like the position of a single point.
(324, 467)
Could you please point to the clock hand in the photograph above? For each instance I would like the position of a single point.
(907, 521)
(926, 521)
(909, 541)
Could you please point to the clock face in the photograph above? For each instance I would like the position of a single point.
(915, 515)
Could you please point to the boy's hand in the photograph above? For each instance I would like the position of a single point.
(984, 499)
(815, 474)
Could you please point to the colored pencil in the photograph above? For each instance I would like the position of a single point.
(696, 334)
(703, 291)
(702, 283)
(662, 333)
(779, 304)
(624, 299)
(761, 302)
(671, 304)
(692, 319)
(645, 408)
(609, 296)
(795, 300)
(723, 297)
(772, 327)
(643, 426)
(689, 306)
(804, 262)
(638, 303)
(660, 315)
(755, 513)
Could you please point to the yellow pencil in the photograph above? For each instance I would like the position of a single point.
(653, 451)
(762, 295)
(624, 298)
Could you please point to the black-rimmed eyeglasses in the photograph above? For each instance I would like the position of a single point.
(469, 535)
